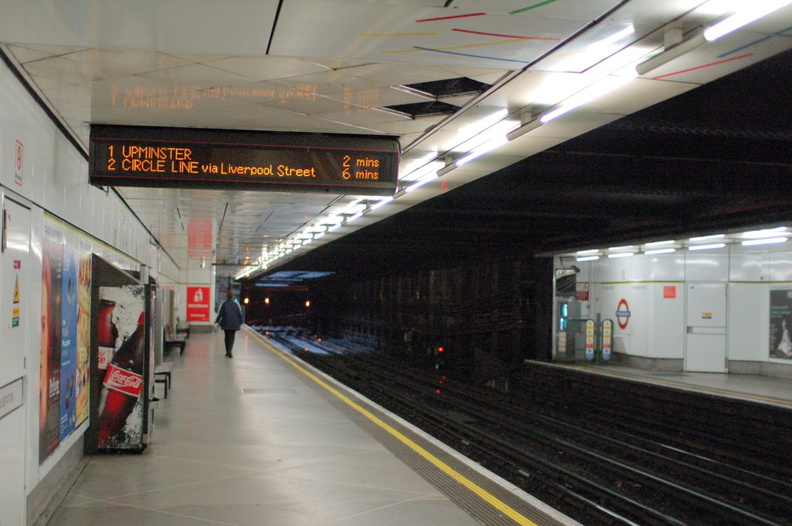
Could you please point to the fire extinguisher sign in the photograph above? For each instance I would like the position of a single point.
(197, 303)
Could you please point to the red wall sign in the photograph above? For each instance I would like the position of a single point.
(197, 303)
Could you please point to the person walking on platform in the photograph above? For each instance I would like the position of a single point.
(229, 317)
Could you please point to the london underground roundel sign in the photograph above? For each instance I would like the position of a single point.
(622, 314)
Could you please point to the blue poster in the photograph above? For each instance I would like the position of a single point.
(69, 311)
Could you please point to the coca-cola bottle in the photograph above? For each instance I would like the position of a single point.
(107, 334)
(123, 383)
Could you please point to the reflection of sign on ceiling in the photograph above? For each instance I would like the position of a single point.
(243, 160)
(290, 279)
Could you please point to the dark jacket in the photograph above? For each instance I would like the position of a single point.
(229, 317)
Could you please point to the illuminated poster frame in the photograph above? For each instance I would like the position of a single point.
(243, 160)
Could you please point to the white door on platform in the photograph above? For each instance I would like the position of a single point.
(14, 320)
(705, 342)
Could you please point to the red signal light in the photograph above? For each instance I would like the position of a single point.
(440, 349)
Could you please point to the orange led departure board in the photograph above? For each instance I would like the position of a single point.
(244, 160)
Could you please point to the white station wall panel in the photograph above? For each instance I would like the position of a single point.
(646, 298)
(749, 266)
(40, 168)
(707, 265)
(748, 322)
(666, 330)
(780, 264)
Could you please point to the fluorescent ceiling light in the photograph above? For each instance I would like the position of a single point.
(587, 252)
(626, 247)
(593, 53)
(423, 170)
(768, 232)
(621, 255)
(483, 131)
(482, 124)
(707, 247)
(428, 178)
(587, 258)
(381, 203)
(487, 147)
(627, 31)
(660, 251)
(707, 238)
(765, 241)
(586, 95)
(659, 243)
(750, 12)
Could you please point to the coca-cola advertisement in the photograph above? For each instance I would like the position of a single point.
(122, 327)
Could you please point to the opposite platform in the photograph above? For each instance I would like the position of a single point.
(265, 439)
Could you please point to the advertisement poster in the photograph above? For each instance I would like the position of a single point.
(197, 303)
(780, 323)
(50, 364)
(121, 418)
(68, 363)
(83, 333)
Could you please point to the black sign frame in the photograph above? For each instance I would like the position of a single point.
(163, 157)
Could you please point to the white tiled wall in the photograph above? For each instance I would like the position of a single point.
(656, 328)
(53, 182)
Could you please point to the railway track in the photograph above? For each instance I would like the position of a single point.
(591, 470)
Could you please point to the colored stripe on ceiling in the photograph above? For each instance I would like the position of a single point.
(534, 6)
(464, 46)
(429, 34)
(484, 44)
(746, 46)
(449, 17)
(703, 66)
(471, 55)
(504, 36)
(755, 42)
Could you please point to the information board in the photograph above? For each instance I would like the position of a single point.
(244, 160)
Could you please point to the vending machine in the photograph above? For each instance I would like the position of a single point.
(121, 366)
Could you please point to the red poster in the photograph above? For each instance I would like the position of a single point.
(669, 291)
(197, 303)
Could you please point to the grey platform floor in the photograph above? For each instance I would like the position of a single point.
(250, 441)
(758, 388)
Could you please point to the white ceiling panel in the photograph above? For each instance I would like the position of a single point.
(330, 66)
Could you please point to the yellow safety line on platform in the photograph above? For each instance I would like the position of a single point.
(439, 464)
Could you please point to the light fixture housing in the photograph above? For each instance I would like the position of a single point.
(710, 246)
(696, 39)
(525, 128)
(764, 241)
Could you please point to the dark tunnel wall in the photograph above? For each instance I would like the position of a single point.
(486, 316)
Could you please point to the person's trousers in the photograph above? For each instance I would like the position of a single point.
(229, 340)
